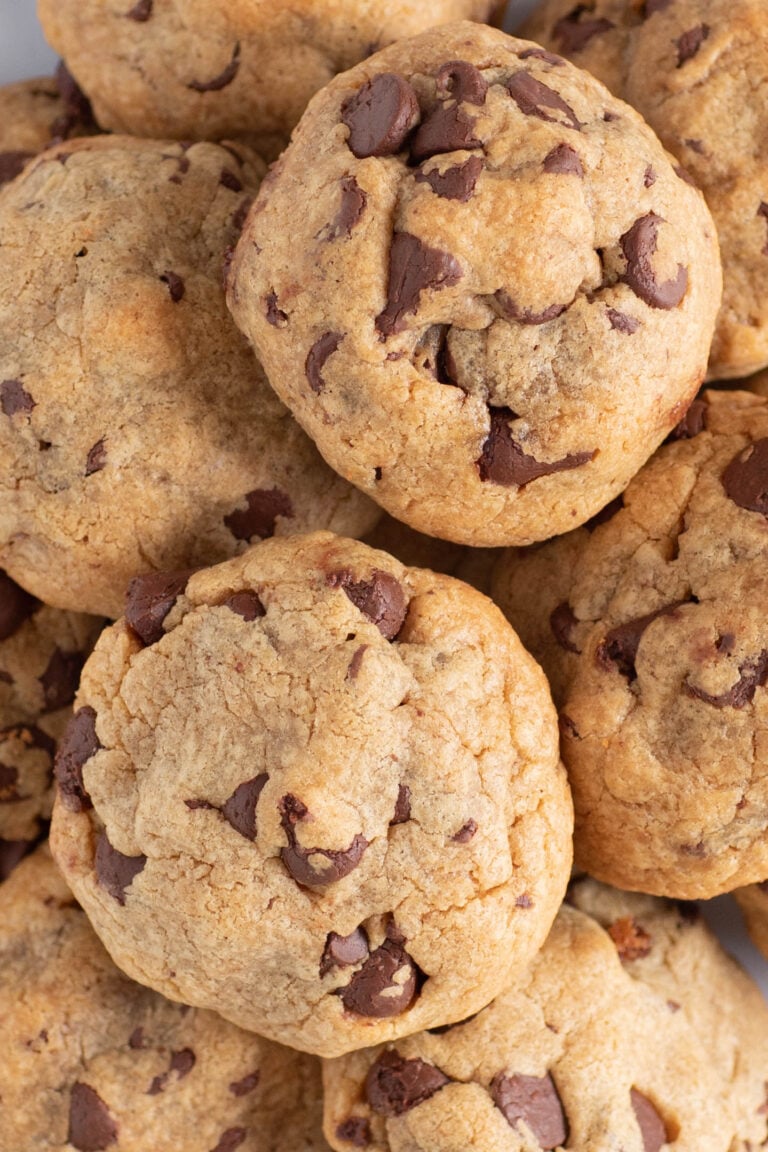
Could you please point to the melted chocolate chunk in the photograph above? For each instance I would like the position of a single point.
(96, 458)
(321, 350)
(534, 98)
(11, 163)
(231, 1139)
(380, 598)
(175, 284)
(245, 604)
(91, 1127)
(690, 42)
(402, 806)
(542, 54)
(386, 985)
(12, 852)
(574, 33)
(745, 479)
(461, 81)
(76, 747)
(564, 160)
(344, 951)
(753, 674)
(639, 246)
(228, 179)
(621, 322)
(620, 645)
(61, 678)
(149, 599)
(275, 316)
(535, 1101)
(141, 11)
(652, 1127)
(223, 80)
(240, 809)
(631, 939)
(694, 422)
(246, 1085)
(315, 867)
(563, 622)
(413, 268)
(394, 1085)
(15, 398)
(465, 833)
(350, 213)
(456, 183)
(509, 308)
(355, 1131)
(16, 606)
(259, 518)
(504, 462)
(380, 116)
(114, 871)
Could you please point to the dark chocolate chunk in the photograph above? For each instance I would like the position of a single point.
(16, 606)
(240, 809)
(534, 1100)
(465, 833)
(574, 33)
(504, 462)
(620, 645)
(542, 54)
(534, 98)
(446, 129)
(344, 951)
(137, 1039)
(509, 308)
(649, 177)
(223, 79)
(753, 674)
(141, 11)
(353, 202)
(402, 805)
(355, 1131)
(228, 179)
(231, 1139)
(15, 398)
(413, 267)
(652, 1127)
(373, 990)
(563, 622)
(380, 598)
(76, 747)
(353, 670)
(315, 867)
(321, 350)
(524, 901)
(394, 1085)
(96, 458)
(149, 599)
(11, 163)
(621, 322)
(690, 42)
(182, 1064)
(631, 939)
(12, 852)
(175, 284)
(246, 1085)
(380, 116)
(91, 1127)
(259, 518)
(246, 604)
(639, 246)
(694, 422)
(275, 316)
(461, 81)
(60, 679)
(457, 183)
(114, 871)
(564, 160)
(745, 479)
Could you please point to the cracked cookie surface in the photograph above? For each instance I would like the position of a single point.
(317, 792)
(472, 313)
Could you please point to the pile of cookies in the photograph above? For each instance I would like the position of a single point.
(383, 637)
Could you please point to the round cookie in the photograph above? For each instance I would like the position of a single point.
(692, 68)
(42, 651)
(35, 114)
(659, 657)
(576, 1054)
(317, 792)
(137, 432)
(484, 383)
(93, 1061)
(207, 71)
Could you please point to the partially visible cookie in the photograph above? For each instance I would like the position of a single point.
(753, 901)
(692, 68)
(34, 114)
(92, 1061)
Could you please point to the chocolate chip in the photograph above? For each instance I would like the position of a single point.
(726, 642)
(114, 871)
(542, 54)
(15, 398)
(386, 985)
(465, 833)
(137, 1039)
(175, 284)
(574, 33)
(245, 604)
(259, 518)
(11, 163)
(240, 809)
(315, 867)
(753, 674)
(413, 267)
(16, 606)
(344, 951)
(690, 42)
(355, 664)
(695, 145)
(181, 1062)
(446, 129)
(457, 183)
(745, 480)
(461, 81)
(380, 598)
(149, 599)
(12, 852)
(762, 211)
(380, 116)
(223, 79)
(229, 180)
(402, 806)
(509, 308)
(275, 316)
(60, 679)
(564, 160)
(620, 645)
(639, 246)
(230, 1140)
(96, 458)
(563, 623)
(246, 1085)
(534, 98)
(621, 322)
(652, 1127)
(91, 1128)
(694, 422)
(631, 940)
(524, 901)
(353, 202)
(504, 462)
(355, 1131)
(534, 1100)
(141, 11)
(320, 351)
(649, 177)
(394, 1085)
(76, 747)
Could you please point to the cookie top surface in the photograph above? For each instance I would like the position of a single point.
(212, 71)
(36, 113)
(137, 431)
(691, 68)
(576, 1054)
(322, 796)
(92, 1061)
(663, 663)
(484, 383)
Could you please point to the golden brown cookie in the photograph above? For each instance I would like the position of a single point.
(35, 114)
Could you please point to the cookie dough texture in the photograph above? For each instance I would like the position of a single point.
(34, 114)
(203, 70)
(322, 797)
(42, 651)
(692, 69)
(486, 383)
(92, 1061)
(136, 430)
(582, 1052)
(657, 650)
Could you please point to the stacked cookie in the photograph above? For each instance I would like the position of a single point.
(312, 802)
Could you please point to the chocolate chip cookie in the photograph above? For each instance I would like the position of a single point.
(577, 1054)
(753, 901)
(42, 651)
(692, 68)
(317, 792)
(137, 432)
(659, 655)
(208, 71)
(92, 1061)
(35, 114)
(486, 383)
